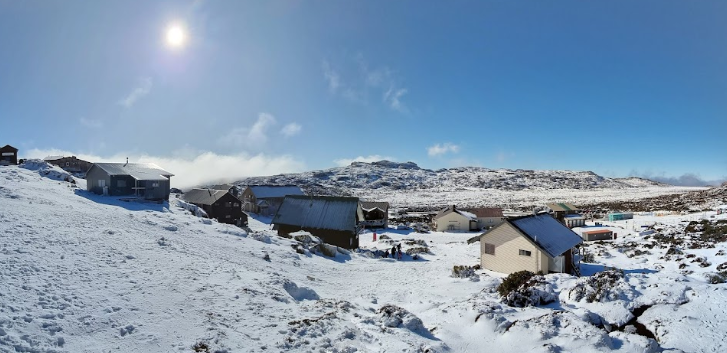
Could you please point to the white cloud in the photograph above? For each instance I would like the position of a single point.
(331, 76)
(392, 98)
(91, 123)
(250, 136)
(291, 129)
(368, 159)
(379, 81)
(199, 168)
(503, 156)
(142, 88)
(441, 149)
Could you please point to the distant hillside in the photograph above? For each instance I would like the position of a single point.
(690, 201)
(386, 175)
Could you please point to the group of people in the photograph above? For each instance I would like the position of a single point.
(395, 252)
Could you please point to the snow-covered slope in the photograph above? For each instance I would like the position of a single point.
(86, 273)
(407, 185)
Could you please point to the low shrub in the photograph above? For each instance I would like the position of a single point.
(524, 288)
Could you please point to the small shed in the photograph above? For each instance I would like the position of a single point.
(141, 180)
(335, 220)
(620, 216)
(535, 243)
(601, 234)
(8, 155)
(219, 204)
(574, 220)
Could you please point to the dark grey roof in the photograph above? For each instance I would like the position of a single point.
(486, 212)
(204, 196)
(271, 191)
(8, 148)
(225, 187)
(139, 171)
(319, 212)
(547, 233)
(369, 205)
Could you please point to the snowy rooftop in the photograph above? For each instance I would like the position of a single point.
(270, 191)
(549, 234)
(139, 171)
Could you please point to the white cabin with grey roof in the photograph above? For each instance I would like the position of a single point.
(536, 243)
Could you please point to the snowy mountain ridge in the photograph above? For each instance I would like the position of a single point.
(387, 175)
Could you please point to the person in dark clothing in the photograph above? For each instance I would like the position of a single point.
(398, 247)
(393, 252)
(386, 253)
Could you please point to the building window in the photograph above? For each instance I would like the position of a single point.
(121, 183)
(228, 204)
(489, 249)
(525, 253)
(155, 184)
(237, 204)
(67, 164)
(227, 216)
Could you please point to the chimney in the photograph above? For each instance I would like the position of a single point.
(454, 207)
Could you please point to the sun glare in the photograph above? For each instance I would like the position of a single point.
(176, 37)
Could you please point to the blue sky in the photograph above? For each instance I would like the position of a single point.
(617, 87)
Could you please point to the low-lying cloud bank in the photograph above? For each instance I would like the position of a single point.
(688, 179)
(197, 169)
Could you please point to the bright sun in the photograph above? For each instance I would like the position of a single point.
(176, 37)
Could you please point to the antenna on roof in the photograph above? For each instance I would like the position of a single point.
(127, 161)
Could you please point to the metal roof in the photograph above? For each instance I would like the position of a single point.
(204, 196)
(138, 171)
(547, 233)
(370, 205)
(225, 187)
(562, 206)
(598, 231)
(319, 212)
(271, 191)
(486, 212)
(453, 209)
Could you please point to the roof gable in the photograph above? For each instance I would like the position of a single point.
(271, 191)
(546, 233)
(319, 212)
(453, 209)
(205, 196)
(8, 148)
(370, 205)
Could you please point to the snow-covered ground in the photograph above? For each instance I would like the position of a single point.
(86, 273)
